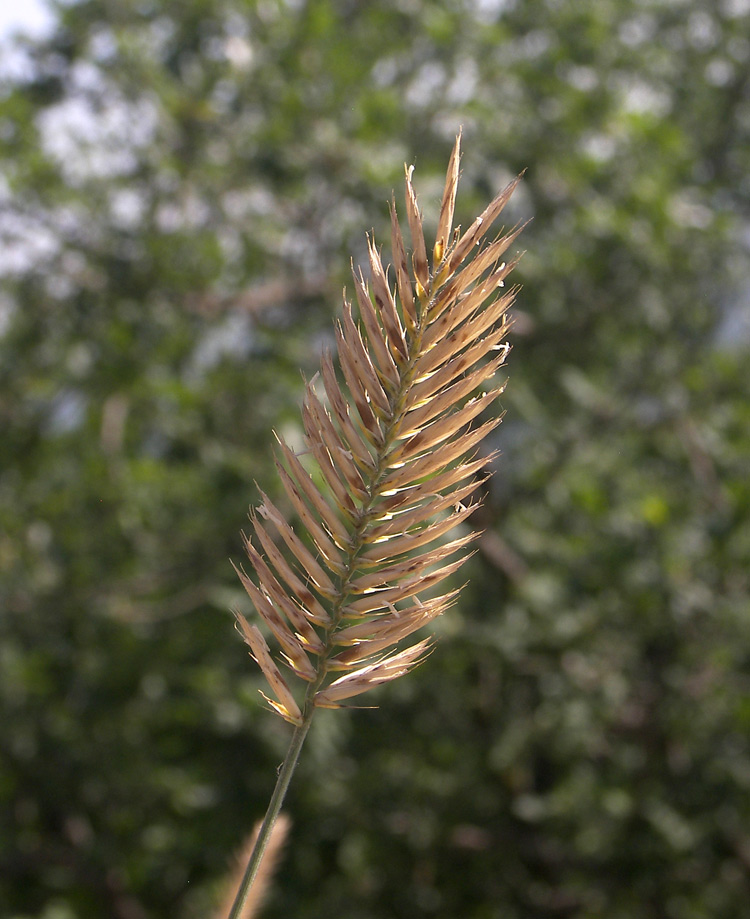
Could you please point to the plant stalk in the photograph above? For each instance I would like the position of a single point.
(274, 806)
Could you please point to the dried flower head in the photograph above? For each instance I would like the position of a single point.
(254, 902)
(392, 439)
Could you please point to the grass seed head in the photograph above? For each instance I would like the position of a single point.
(392, 431)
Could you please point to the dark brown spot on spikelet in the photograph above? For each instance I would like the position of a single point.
(393, 464)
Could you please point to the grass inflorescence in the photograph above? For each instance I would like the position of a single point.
(391, 434)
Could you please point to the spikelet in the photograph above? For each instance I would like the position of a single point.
(254, 902)
(393, 441)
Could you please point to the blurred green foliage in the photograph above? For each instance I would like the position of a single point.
(183, 185)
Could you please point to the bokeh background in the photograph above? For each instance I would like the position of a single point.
(183, 185)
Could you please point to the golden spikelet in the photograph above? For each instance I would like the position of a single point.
(253, 903)
(392, 441)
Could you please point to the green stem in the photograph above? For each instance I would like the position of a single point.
(274, 806)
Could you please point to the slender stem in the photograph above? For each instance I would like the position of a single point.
(274, 806)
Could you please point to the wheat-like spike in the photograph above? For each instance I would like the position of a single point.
(253, 904)
(390, 435)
